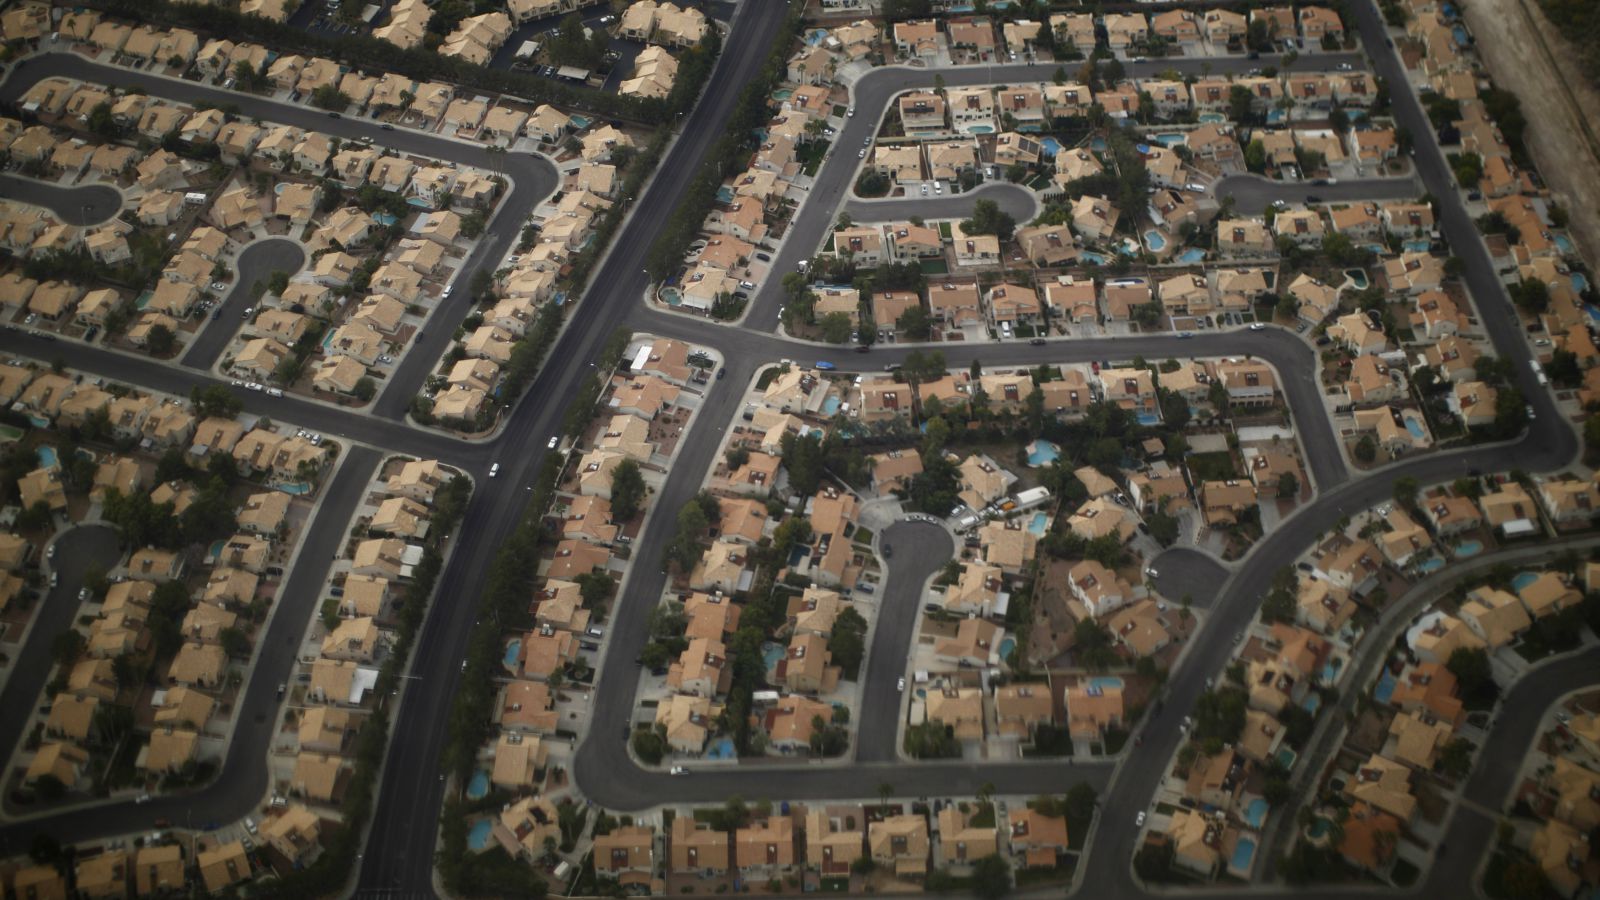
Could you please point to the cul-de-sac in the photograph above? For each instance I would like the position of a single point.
(599, 448)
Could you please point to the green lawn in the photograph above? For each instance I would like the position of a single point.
(1213, 466)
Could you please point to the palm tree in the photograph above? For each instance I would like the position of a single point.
(885, 791)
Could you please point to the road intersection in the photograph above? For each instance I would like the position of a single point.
(402, 837)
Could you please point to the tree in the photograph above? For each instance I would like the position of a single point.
(66, 647)
(1455, 760)
(836, 327)
(915, 323)
(991, 877)
(1288, 486)
(1163, 527)
(1470, 666)
(1153, 862)
(159, 340)
(330, 97)
(1366, 449)
(988, 219)
(627, 490)
(847, 644)
(1405, 492)
(215, 401)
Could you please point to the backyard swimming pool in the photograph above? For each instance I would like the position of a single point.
(1051, 146)
(1385, 687)
(1006, 646)
(1192, 255)
(1256, 813)
(1243, 852)
(478, 837)
(1106, 682)
(1468, 548)
(980, 129)
(478, 786)
(1039, 524)
(1415, 427)
(1095, 258)
(1155, 241)
(1042, 453)
(1430, 565)
(1522, 579)
(1358, 277)
(297, 488)
(722, 748)
(513, 653)
(1563, 243)
(47, 457)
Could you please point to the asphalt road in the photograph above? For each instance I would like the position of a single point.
(1252, 193)
(919, 550)
(76, 551)
(1186, 572)
(256, 263)
(242, 782)
(88, 204)
(1019, 202)
(153, 375)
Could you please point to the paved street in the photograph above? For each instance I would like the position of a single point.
(1251, 193)
(256, 263)
(77, 550)
(401, 839)
(920, 551)
(88, 204)
(1019, 202)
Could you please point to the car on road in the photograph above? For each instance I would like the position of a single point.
(679, 770)
(900, 684)
(274, 392)
(1038, 342)
(447, 289)
(866, 141)
(249, 311)
(888, 552)
(1257, 326)
(721, 374)
(494, 471)
(1138, 821)
(850, 113)
(142, 799)
(254, 386)
(555, 441)
(861, 154)
(1185, 334)
(825, 366)
(1151, 572)
(386, 127)
(218, 286)
(1313, 198)
(1529, 410)
(1345, 67)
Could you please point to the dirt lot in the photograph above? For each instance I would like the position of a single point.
(1517, 43)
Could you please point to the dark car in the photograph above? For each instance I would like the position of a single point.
(863, 348)
(1038, 342)
(1313, 198)
(722, 373)
(334, 115)
(386, 127)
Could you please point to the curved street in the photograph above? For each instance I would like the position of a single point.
(402, 835)
(256, 263)
(75, 552)
(1018, 202)
(86, 204)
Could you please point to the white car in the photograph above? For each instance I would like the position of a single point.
(679, 770)
(861, 154)
(447, 289)
(938, 187)
(850, 112)
(1257, 326)
(494, 471)
(555, 439)
(1150, 572)
(924, 190)
(1138, 821)
(900, 684)
(248, 311)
